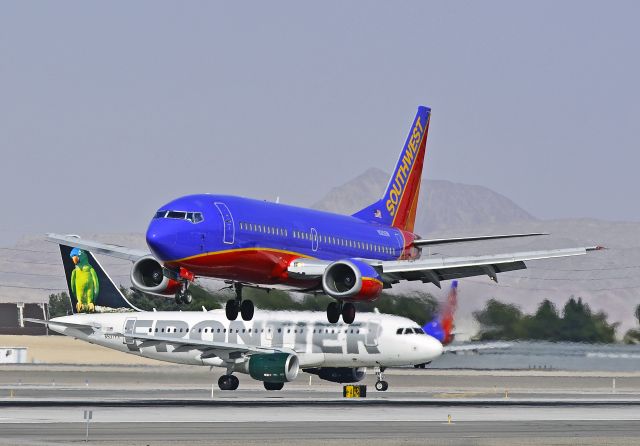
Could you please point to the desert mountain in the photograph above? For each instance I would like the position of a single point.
(608, 280)
(442, 204)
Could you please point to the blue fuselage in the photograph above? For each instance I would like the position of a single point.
(254, 241)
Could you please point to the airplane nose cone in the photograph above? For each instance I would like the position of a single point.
(430, 347)
(161, 241)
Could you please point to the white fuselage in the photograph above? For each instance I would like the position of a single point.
(373, 340)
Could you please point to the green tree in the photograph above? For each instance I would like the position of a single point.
(579, 324)
(148, 302)
(544, 324)
(419, 307)
(632, 336)
(499, 321)
(59, 305)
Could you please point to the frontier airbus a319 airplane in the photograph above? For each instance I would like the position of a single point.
(271, 348)
(261, 244)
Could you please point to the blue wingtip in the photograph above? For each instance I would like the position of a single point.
(454, 284)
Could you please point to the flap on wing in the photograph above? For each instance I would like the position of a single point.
(120, 252)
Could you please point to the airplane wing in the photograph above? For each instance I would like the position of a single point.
(437, 269)
(445, 268)
(224, 350)
(198, 344)
(108, 249)
(452, 348)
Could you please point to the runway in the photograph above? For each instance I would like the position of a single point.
(169, 405)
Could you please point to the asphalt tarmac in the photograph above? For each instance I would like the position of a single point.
(176, 405)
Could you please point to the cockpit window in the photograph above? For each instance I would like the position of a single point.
(177, 215)
(409, 331)
(193, 217)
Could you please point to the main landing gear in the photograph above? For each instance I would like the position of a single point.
(346, 309)
(381, 384)
(183, 295)
(228, 382)
(237, 305)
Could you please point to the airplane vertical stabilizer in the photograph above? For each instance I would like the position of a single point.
(399, 203)
(441, 327)
(90, 287)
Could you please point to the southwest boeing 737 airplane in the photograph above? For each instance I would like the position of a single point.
(271, 348)
(260, 244)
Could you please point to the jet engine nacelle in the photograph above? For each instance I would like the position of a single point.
(147, 276)
(340, 374)
(352, 280)
(273, 367)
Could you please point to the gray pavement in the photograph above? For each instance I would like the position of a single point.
(169, 405)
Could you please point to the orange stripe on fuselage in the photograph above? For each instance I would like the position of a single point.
(253, 265)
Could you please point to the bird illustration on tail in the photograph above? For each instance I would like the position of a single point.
(84, 284)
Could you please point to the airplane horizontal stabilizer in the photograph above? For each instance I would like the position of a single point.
(444, 241)
(85, 328)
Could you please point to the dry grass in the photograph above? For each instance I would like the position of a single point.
(65, 350)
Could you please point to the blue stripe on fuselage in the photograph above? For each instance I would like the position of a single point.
(174, 239)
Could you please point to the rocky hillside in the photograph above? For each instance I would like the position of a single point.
(442, 204)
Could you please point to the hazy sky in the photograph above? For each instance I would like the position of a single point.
(108, 110)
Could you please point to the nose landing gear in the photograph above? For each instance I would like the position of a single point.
(381, 384)
(237, 305)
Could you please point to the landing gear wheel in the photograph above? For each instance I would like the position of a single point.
(179, 298)
(187, 297)
(333, 312)
(228, 382)
(246, 310)
(382, 386)
(348, 313)
(231, 310)
(273, 386)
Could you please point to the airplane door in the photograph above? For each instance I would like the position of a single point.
(129, 327)
(400, 239)
(228, 228)
(314, 239)
(374, 330)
